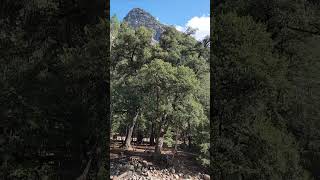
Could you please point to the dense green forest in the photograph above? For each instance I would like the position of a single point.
(53, 89)
(265, 61)
(160, 90)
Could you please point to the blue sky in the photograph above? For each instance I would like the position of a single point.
(168, 11)
(181, 13)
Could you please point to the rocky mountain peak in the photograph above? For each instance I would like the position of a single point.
(138, 17)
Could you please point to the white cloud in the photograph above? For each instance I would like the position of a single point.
(202, 24)
(180, 28)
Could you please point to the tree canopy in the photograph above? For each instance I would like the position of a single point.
(160, 88)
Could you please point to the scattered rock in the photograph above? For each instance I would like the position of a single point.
(138, 170)
(144, 170)
(122, 175)
(187, 176)
(140, 165)
(145, 163)
(206, 177)
(131, 167)
(173, 171)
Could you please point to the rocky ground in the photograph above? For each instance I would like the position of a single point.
(135, 165)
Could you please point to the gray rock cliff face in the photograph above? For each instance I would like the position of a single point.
(138, 17)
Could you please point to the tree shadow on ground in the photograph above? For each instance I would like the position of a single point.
(182, 160)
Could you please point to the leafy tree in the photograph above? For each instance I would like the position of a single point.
(248, 82)
(130, 52)
(160, 89)
(173, 89)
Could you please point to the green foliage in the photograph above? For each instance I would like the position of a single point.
(262, 86)
(53, 89)
(168, 81)
(168, 139)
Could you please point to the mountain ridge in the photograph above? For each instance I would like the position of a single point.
(138, 17)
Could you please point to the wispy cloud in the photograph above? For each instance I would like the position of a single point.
(202, 24)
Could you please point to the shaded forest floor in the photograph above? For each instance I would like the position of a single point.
(138, 163)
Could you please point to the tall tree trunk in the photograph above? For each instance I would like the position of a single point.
(189, 139)
(124, 140)
(130, 131)
(189, 135)
(84, 174)
(160, 135)
(176, 140)
(152, 136)
(140, 137)
(184, 138)
(160, 140)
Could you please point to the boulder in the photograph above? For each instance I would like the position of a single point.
(172, 170)
(206, 177)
